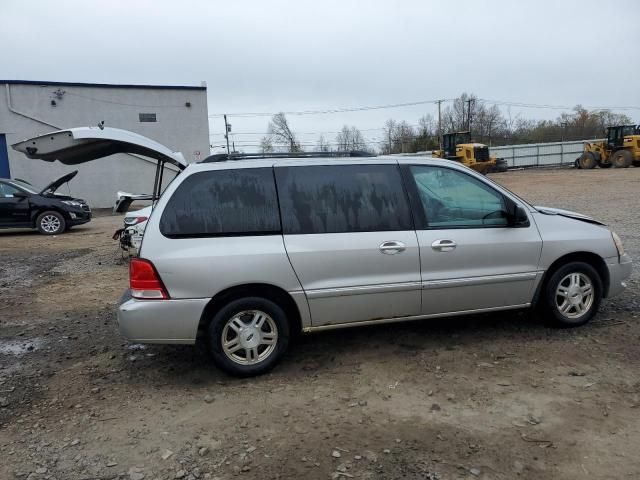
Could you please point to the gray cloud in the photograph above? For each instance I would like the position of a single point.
(298, 55)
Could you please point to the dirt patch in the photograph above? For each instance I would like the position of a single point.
(491, 397)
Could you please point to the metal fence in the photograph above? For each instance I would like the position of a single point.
(540, 154)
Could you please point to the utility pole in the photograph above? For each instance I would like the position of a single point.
(227, 129)
(390, 141)
(469, 114)
(439, 102)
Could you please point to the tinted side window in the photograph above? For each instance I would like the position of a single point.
(453, 199)
(342, 198)
(7, 190)
(223, 202)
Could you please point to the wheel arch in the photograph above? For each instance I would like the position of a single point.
(41, 209)
(264, 290)
(593, 259)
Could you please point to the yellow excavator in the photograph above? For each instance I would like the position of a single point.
(620, 149)
(459, 147)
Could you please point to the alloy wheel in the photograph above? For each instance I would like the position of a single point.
(574, 295)
(50, 223)
(249, 337)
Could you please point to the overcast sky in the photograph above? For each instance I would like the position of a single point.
(269, 56)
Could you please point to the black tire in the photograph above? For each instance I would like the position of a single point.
(501, 165)
(51, 223)
(232, 362)
(562, 277)
(622, 159)
(636, 163)
(588, 160)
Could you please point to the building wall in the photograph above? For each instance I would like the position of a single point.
(26, 110)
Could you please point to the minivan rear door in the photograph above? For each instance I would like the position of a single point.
(349, 235)
(82, 144)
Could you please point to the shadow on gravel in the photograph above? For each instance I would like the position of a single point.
(328, 352)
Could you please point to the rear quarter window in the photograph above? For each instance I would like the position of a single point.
(223, 203)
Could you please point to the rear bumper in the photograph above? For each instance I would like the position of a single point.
(619, 272)
(160, 321)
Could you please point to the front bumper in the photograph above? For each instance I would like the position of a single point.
(160, 321)
(619, 271)
(78, 217)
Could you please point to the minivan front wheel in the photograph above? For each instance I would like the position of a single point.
(248, 336)
(573, 294)
(50, 223)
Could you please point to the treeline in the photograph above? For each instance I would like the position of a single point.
(488, 124)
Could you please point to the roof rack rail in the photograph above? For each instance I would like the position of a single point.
(224, 157)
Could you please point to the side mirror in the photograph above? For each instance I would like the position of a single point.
(516, 215)
(519, 217)
(20, 195)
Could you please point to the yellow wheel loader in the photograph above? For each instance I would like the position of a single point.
(459, 147)
(620, 149)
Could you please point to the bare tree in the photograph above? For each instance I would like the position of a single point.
(350, 138)
(323, 145)
(266, 146)
(281, 132)
(389, 134)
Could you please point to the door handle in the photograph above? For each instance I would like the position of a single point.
(391, 247)
(443, 245)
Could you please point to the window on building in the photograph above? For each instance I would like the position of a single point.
(342, 198)
(147, 117)
(223, 203)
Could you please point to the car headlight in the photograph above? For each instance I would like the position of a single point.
(618, 243)
(72, 203)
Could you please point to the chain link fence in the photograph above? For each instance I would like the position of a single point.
(540, 154)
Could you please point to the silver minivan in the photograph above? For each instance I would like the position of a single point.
(244, 254)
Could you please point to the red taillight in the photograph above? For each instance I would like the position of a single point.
(144, 281)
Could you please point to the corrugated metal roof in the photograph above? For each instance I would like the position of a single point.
(101, 85)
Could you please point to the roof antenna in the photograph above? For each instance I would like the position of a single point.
(101, 125)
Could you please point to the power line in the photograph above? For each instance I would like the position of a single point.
(328, 111)
(554, 107)
(305, 133)
(423, 102)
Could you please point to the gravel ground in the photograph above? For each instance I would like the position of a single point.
(496, 396)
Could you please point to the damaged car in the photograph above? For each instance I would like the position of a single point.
(51, 213)
(130, 235)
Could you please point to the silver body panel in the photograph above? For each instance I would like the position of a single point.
(347, 278)
(166, 321)
(489, 268)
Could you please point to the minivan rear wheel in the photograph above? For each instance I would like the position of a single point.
(248, 336)
(572, 295)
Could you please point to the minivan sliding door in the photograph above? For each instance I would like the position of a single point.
(350, 238)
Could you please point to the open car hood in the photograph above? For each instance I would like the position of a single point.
(82, 144)
(56, 184)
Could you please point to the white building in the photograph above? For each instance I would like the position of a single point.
(175, 116)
